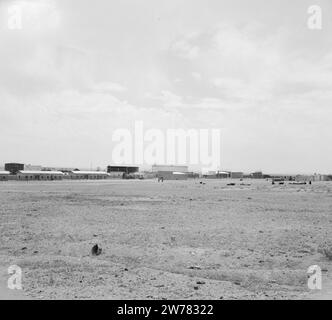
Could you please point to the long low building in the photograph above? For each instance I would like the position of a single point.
(39, 175)
(167, 175)
(89, 175)
(4, 175)
(169, 168)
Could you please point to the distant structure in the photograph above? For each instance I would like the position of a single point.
(4, 175)
(171, 175)
(122, 169)
(236, 175)
(257, 175)
(13, 168)
(216, 175)
(39, 175)
(169, 168)
(88, 175)
(170, 172)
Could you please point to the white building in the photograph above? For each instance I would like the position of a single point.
(4, 175)
(169, 168)
(39, 175)
(89, 175)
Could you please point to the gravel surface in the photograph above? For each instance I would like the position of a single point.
(171, 240)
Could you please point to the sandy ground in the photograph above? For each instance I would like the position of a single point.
(171, 240)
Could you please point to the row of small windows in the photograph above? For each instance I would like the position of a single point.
(39, 177)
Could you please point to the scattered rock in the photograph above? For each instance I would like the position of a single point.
(195, 268)
(196, 287)
(96, 250)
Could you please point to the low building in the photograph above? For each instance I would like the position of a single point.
(116, 175)
(236, 175)
(123, 169)
(167, 175)
(169, 168)
(4, 175)
(39, 175)
(88, 175)
(13, 168)
(322, 177)
(216, 175)
(257, 175)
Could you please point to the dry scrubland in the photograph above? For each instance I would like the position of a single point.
(171, 240)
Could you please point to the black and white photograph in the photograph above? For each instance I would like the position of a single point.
(167, 151)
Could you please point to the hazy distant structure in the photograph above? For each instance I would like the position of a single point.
(123, 169)
(257, 175)
(171, 175)
(39, 175)
(88, 175)
(4, 175)
(169, 168)
(236, 175)
(216, 175)
(13, 168)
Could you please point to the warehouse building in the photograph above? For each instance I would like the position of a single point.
(88, 175)
(216, 175)
(39, 175)
(236, 175)
(4, 175)
(13, 168)
(123, 169)
(168, 175)
(257, 175)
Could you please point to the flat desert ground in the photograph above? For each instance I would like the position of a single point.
(171, 240)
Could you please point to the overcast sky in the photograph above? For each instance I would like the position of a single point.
(79, 69)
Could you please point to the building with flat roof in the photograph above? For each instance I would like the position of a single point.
(257, 175)
(236, 175)
(168, 175)
(123, 169)
(39, 175)
(4, 175)
(88, 175)
(13, 167)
